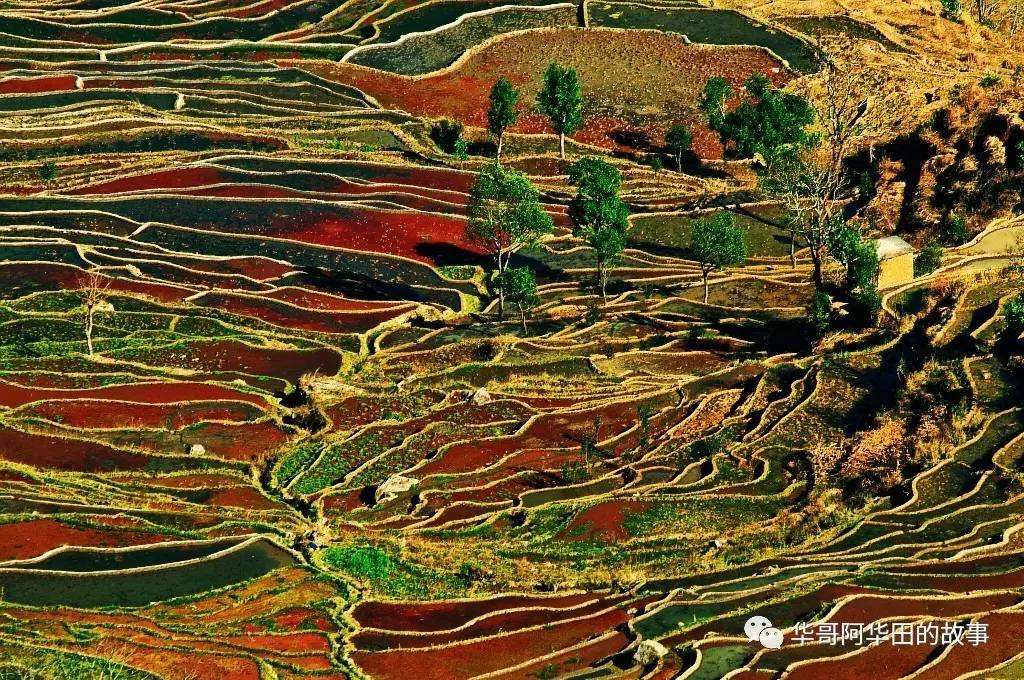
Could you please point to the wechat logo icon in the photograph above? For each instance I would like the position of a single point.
(760, 629)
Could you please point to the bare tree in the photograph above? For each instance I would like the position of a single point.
(810, 183)
(807, 185)
(844, 102)
(93, 286)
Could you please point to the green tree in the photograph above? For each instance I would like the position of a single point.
(598, 215)
(561, 100)
(461, 151)
(717, 243)
(48, 172)
(767, 120)
(504, 214)
(502, 112)
(679, 140)
(858, 256)
(717, 91)
(519, 285)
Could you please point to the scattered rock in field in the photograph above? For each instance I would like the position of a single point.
(481, 397)
(648, 652)
(197, 450)
(393, 487)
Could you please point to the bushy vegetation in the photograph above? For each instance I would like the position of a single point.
(766, 121)
(446, 134)
(928, 259)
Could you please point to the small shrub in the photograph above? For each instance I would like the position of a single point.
(952, 9)
(446, 133)
(955, 231)
(574, 472)
(819, 313)
(48, 171)
(867, 305)
(867, 181)
(657, 165)
(991, 80)
(1013, 312)
(928, 259)
(460, 150)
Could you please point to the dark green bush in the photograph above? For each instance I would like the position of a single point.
(954, 232)
(1013, 312)
(928, 259)
(867, 304)
(446, 133)
(819, 313)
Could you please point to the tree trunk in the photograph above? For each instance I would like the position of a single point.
(501, 289)
(88, 329)
(819, 281)
(705, 273)
(792, 249)
(501, 139)
(679, 162)
(522, 317)
(561, 145)
(602, 280)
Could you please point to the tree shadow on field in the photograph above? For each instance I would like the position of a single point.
(633, 139)
(442, 254)
(356, 286)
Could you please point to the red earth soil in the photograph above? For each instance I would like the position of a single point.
(244, 441)
(486, 655)
(298, 318)
(602, 522)
(301, 617)
(492, 624)
(48, 276)
(406, 234)
(553, 430)
(882, 662)
(227, 355)
(312, 299)
(573, 659)
(22, 540)
(438, 616)
(242, 497)
(87, 413)
(12, 395)
(177, 178)
(669, 72)
(65, 454)
(1004, 642)
(259, 268)
(380, 177)
(870, 609)
(37, 85)
(460, 512)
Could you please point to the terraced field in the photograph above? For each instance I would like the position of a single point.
(292, 438)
